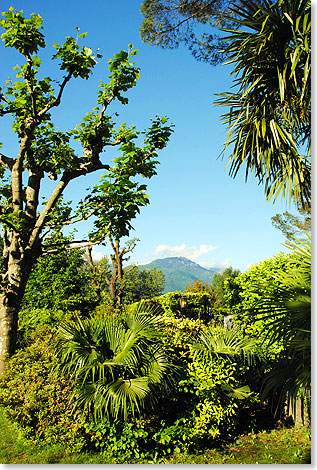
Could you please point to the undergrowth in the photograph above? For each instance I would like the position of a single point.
(279, 446)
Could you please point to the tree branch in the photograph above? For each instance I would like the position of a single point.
(165, 31)
(29, 85)
(7, 162)
(77, 244)
(59, 96)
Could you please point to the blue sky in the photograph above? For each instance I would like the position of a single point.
(196, 210)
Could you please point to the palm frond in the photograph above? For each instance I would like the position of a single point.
(227, 342)
(117, 363)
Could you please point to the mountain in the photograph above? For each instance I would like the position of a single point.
(180, 272)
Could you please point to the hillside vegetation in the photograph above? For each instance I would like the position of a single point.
(180, 272)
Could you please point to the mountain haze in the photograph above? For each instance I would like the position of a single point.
(180, 272)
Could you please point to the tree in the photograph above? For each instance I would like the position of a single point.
(218, 284)
(109, 278)
(59, 281)
(142, 284)
(121, 198)
(167, 23)
(269, 113)
(294, 227)
(47, 152)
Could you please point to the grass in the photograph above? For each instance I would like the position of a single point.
(279, 446)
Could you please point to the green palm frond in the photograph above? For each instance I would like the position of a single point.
(227, 342)
(268, 120)
(286, 312)
(118, 363)
(241, 392)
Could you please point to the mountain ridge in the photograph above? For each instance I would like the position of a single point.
(179, 272)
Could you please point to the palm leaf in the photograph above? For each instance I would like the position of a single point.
(117, 363)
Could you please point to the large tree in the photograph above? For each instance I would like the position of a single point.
(45, 152)
(121, 196)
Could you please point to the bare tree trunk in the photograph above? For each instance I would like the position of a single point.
(10, 300)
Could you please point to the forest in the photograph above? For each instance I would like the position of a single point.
(97, 365)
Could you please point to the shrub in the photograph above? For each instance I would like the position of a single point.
(38, 399)
(33, 320)
(197, 305)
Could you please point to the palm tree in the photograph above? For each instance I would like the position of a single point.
(218, 341)
(287, 316)
(118, 363)
(269, 116)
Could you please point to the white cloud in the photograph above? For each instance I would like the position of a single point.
(224, 264)
(190, 252)
(97, 255)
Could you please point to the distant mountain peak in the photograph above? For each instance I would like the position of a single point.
(179, 272)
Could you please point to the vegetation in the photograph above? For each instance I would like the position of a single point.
(142, 284)
(269, 113)
(104, 364)
(279, 446)
(294, 227)
(117, 362)
(169, 23)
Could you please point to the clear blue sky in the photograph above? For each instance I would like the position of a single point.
(196, 210)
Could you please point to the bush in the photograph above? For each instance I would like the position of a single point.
(33, 320)
(197, 305)
(39, 400)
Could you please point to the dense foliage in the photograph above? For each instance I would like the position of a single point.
(60, 281)
(117, 362)
(39, 400)
(202, 406)
(142, 284)
(275, 305)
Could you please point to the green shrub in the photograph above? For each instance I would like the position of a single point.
(198, 305)
(122, 440)
(38, 399)
(33, 320)
(207, 413)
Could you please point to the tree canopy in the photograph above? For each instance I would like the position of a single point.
(169, 23)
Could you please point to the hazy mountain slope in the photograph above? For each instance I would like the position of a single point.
(180, 272)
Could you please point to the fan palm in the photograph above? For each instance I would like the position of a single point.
(118, 364)
(287, 316)
(218, 341)
(225, 342)
(269, 115)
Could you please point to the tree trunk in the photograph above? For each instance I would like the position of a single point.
(8, 328)
(18, 272)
